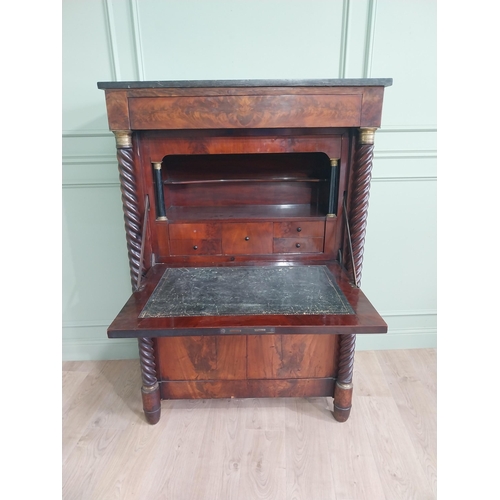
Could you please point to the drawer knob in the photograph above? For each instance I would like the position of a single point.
(298, 245)
(299, 229)
(195, 247)
(247, 238)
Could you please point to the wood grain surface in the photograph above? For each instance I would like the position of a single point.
(283, 449)
(247, 111)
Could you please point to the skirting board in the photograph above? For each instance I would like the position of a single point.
(110, 349)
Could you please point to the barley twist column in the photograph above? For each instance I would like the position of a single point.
(357, 216)
(128, 185)
(133, 230)
(358, 201)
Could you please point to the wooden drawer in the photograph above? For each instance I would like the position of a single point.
(195, 247)
(298, 245)
(247, 238)
(299, 229)
(246, 111)
(195, 231)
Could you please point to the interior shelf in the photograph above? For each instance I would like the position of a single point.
(282, 212)
(281, 186)
(242, 179)
(299, 167)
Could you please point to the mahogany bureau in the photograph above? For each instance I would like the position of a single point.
(245, 208)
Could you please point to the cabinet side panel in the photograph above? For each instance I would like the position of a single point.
(371, 115)
(117, 107)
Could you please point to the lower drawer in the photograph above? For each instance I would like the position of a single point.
(298, 245)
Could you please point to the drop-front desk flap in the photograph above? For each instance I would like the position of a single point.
(232, 300)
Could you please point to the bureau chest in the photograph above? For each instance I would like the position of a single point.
(245, 207)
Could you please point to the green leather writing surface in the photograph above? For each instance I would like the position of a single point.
(261, 290)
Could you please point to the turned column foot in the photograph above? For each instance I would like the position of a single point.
(151, 403)
(342, 396)
(151, 400)
(342, 402)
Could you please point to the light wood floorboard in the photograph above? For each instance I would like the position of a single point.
(245, 449)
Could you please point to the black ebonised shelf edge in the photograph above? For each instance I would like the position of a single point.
(338, 82)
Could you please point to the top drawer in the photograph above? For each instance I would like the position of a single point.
(299, 229)
(245, 111)
(247, 238)
(195, 231)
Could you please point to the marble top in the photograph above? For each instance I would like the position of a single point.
(245, 290)
(338, 82)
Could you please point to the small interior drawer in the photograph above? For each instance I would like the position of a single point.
(247, 238)
(195, 247)
(195, 231)
(299, 229)
(298, 245)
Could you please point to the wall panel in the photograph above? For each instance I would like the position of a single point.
(94, 286)
(404, 46)
(224, 39)
(399, 267)
(86, 57)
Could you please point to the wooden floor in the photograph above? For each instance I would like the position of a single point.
(285, 449)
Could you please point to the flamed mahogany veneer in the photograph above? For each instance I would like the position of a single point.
(245, 208)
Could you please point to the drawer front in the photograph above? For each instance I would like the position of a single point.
(210, 231)
(247, 238)
(299, 229)
(298, 245)
(246, 111)
(195, 247)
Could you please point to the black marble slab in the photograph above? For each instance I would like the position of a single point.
(338, 82)
(241, 291)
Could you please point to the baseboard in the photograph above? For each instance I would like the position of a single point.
(416, 338)
(107, 349)
(99, 349)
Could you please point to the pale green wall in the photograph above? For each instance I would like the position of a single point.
(160, 40)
